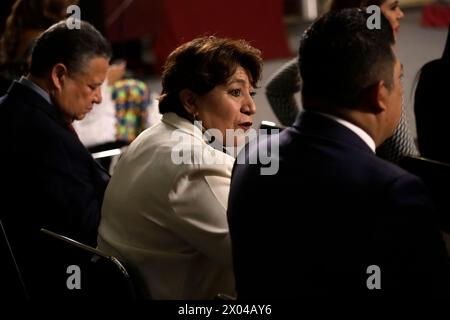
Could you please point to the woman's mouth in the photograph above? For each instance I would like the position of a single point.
(245, 125)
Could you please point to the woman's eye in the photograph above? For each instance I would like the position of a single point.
(235, 92)
(252, 93)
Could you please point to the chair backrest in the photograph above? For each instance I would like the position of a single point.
(93, 273)
(108, 158)
(12, 284)
(436, 176)
(270, 126)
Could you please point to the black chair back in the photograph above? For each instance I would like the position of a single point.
(436, 175)
(12, 285)
(92, 273)
(270, 126)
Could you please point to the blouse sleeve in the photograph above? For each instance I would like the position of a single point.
(199, 202)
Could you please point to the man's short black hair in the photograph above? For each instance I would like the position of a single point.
(71, 47)
(340, 57)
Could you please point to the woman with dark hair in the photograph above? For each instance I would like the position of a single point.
(432, 107)
(27, 20)
(165, 207)
(286, 82)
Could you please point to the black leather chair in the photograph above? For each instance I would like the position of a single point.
(12, 286)
(436, 175)
(99, 275)
(270, 126)
(107, 155)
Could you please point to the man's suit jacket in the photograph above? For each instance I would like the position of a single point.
(333, 210)
(49, 180)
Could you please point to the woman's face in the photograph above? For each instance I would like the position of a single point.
(393, 13)
(228, 106)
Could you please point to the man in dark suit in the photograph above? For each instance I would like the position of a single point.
(50, 180)
(335, 219)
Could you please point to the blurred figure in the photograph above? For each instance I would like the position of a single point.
(432, 107)
(347, 223)
(5, 9)
(27, 20)
(286, 82)
(164, 217)
(52, 180)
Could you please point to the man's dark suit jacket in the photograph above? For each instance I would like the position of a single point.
(49, 181)
(332, 210)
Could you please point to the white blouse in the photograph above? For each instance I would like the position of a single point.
(167, 220)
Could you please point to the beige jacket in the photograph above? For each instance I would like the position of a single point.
(167, 220)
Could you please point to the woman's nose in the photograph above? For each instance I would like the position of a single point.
(400, 14)
(249, 106)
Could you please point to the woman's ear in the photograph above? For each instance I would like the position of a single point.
(58, 75)
(187, 98)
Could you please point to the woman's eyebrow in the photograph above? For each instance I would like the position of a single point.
(238, 80)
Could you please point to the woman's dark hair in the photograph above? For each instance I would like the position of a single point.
(344, 4)
(29, 15)
(202, 64)
(71, 47)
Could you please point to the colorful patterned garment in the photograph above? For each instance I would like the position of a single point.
(131, 99)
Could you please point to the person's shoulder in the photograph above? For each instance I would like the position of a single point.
(367, 172)
(396, 178)
(28, 117)
(432, 69)
(21, 101)
(386, 169)
(433, 64)
(178, 150)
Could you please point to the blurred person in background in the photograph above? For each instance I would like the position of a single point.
(432, 107)
(27, 20)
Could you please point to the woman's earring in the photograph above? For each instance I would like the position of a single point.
(196, 118)
(198, 122)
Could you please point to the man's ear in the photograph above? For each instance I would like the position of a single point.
(378, 97)
(58, 75)
(187, 98)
